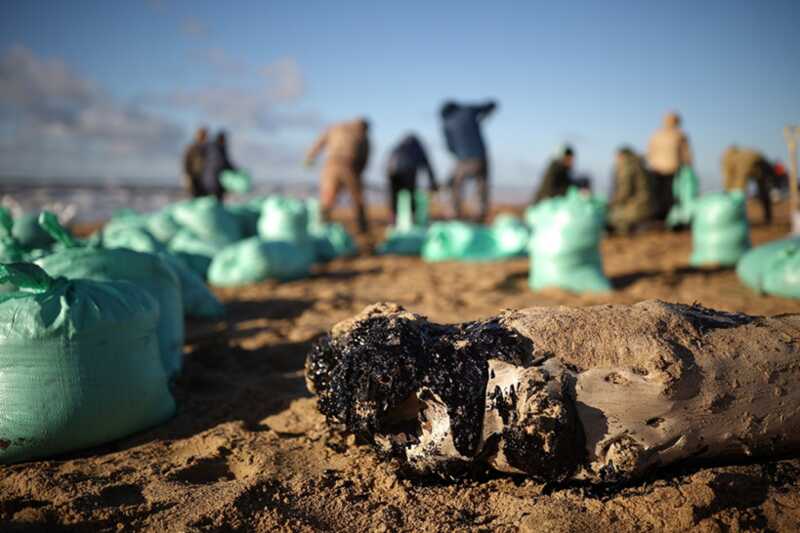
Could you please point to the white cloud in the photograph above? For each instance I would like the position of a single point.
(285, 82)
(194, 27)
(267, 108)
(55, 122)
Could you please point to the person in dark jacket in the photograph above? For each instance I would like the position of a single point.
(194, 163)
(217, 161)
(558, 176)
(405, 161)
(462, 132)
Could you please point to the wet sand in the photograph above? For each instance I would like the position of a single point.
(248, 450)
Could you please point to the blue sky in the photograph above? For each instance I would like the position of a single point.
(113, 89)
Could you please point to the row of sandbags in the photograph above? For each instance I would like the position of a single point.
(274, 237)
(453, 240)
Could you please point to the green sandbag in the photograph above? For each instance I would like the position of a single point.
(685, 189)
(406, 237)
(28, 233)
(409, 242)
(195, 251)
(147, 271)
(11, 251)
(773, 268)
(198, 301)
(247, 215)
(236, 181)
(564, 246)
(720, 232)
(283, 219)
(460, 241)
(79, 364)
(207, 219)
(253, 260)
(510, 235)
(135, 238)
(422, 211)
(331, 240)
(162, 226)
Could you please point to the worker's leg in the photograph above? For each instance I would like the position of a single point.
(394, 188)
(330, 183)
(764, 197)
(353, 181)
(482, 182)
(459, 175)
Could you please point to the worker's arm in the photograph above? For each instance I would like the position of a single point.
(448, 137)
(482, 111)
(316, 148)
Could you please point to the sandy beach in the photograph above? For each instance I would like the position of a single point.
(248, 451)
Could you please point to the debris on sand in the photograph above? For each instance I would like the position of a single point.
(605, 393)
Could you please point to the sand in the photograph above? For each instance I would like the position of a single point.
(248, 451)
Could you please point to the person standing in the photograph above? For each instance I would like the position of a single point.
(217, 162)
(632, 197)
(462, 133)
(667, 152)
(347, 144)
(405, 161)
(739, 165)
(558, 176)
(194, 163)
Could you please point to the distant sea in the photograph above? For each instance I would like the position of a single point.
(96, 201)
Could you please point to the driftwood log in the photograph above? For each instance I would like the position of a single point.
(603, 393)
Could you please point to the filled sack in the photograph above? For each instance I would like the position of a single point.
(565, 243)
(720, 231)
(773, 268)
(79, 363)
(283, 219)
(254, 259)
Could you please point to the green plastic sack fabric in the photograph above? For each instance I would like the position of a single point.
(422, 213)
(720, 232)
(283, 219)
(247, 214)
(162, 226)
(405, 237)
(135, 238)
(236, 181)
(564, 246)
(460, 241)
(148, 271)
(11, 251)
(79, 364)
(331, 240)
(409, 242)
(198, 301)
(195, 252)
(253, 260)
(207, 219)
(773, 268)
(685, 189)
(28, 232)
(510, 235)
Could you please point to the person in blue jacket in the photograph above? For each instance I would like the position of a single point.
(462, 131)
